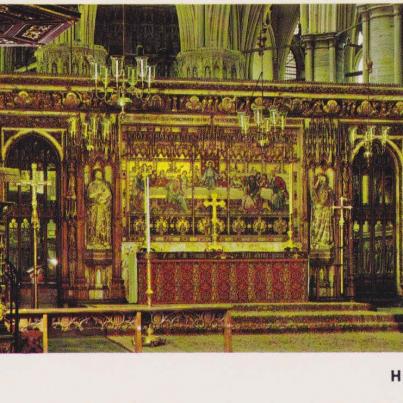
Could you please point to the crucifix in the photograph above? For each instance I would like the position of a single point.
(34, 183)
(341, 207)
(214, 203)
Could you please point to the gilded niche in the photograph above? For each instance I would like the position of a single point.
(99, 208)
(322, 199)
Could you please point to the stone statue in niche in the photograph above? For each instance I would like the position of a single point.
(322, 231)
(99, 212)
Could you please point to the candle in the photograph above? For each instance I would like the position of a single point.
(106, 77)
(142, 70)
(133, 74)
(147, 213)
(117, 71)
(149, 77)
(291, 193)
(96, 73)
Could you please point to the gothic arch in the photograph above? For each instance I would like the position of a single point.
(22, 152)
(397, 157)
(38, 132)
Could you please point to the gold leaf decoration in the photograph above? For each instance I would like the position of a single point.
(331, 107)
(280, 226)
(239, 226)
(259, 226)
(203, 226)
(182, 226)
(71, 100)
(193, 104)
(161, 226)
(139, 226)
(227, 105)
(23, 99)
(366, 108)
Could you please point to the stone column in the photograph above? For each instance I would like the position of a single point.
(397, 17)
(381, 44)
(320, 57)
(309, 60)
(365, 47)
(381, 28)
(6, 59)
(304, 11)
(332, 61)
(206, 49)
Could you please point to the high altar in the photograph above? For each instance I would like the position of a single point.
(277, 200)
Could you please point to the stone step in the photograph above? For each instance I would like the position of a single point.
(262, 327)
(304, 306)
(247, 321)
(322, 316)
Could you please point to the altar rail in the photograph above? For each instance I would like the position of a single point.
(230, 280)
(132, 319)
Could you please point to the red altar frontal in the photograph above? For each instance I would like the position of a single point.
(234, 278)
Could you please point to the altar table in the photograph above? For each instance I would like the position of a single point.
(194, 278)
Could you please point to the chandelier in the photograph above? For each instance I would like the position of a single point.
(92, 133)
(372, 133)
(121, 82)
(268, 124)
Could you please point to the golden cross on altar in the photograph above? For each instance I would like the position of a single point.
(34, 183)
(341, 207)
(214, 203)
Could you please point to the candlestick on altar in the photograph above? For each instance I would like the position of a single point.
(34, 183)
(150, 339)
(147, 213)
(290, 204)
(341, 207)
(149, 291)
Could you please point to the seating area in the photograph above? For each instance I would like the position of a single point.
(215, 328)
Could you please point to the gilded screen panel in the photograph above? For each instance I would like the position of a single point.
(253, 182)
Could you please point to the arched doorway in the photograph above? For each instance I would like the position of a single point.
(25, 150)
(375, 227)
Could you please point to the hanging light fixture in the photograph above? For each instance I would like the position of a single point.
(92, 132)
(372, 133)
(268, 125)
(119, 82)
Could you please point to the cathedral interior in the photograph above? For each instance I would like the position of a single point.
(198, 159)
